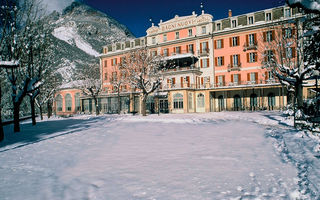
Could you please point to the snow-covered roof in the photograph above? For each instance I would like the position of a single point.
(177, 56)
(9, 64)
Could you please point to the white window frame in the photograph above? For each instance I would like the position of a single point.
(165, 37)
(234, 23)
(219, 26)
(203, 29)
(252, 57)
(165, 52)
(235, 60)
(269, 36)
(287, 12)
(190, 32)
(235, 41)
(249, 21)
(219, 44)
(219, 61)
(153, 40)
(177, 35)
(251, 39)
(267, 16)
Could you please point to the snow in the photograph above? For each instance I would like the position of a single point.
(9, 63)
(226, 155)
(69, 34)
(309, 4)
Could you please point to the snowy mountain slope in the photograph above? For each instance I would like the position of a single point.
(79, 34)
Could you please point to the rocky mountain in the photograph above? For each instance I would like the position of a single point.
(79, 33)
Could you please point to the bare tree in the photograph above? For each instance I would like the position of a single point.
(119, 80)
(88, 80)
(144, 72)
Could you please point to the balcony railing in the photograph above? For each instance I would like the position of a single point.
(204, 52)
(243, 83)
(234, 67)
(250, 46)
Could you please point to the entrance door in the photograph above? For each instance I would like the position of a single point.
(163, 106)
(220, 103)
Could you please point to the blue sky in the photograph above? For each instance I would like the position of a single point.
(135, 14)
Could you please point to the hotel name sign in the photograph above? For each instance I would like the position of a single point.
(177, 23)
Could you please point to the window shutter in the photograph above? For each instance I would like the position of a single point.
(223, 80)
(230, 41)
(256, 76)
(293, 49)
(264, 36)
(200, 47)
(216, 61)
(238, 59)
(248, 76)
(222, 43)
(208, 63)
(173, 80)
(201, 80)
(174, 50)
(265, 56)
(248, 57)
(239, 78)
(273, 35)
(255, 57)
(247, 40)
(187, 47)
(208, 80)
(293, 32)
(216, 80)
(232, 78)
(116, 61)
(188, 81)
(283, 32)
(215, 44)
(255, 38)
(222, 60)
(105, 63)
(201, 63)
(266, 75)
(207, 49)
(238, 40)
(181, 81)
(168, 81)
(231, 63)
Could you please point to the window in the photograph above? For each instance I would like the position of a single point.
(178, 50)
(220, 81)
(287, 33)
(164, 37)
(154, 53)
(59, 102)
(178, 101)
(252, 57)
(68, 102)
(235, 60)
(190, 101)
(220, 61)
(219, 27)
(200, 100)
(250, 20)
(205, 63)
(253, 77)
(106, 63)
(105, 76)
(268, 55)
(77, 101)
(114, 76)
(203, 30)
(237, 102)
(270, 75)
(271, 100)
(235, 41)
(219, 44)
(269, 36)
(268, 16)
(236, 79)
(253, 100)
(114, 62)
(289, 52)
(234, 23)
(177, 35)
(190, 32)
(165, 52)
(251, 39)
(287, 12)
(190, 48)
(204, 47)
(153, 40)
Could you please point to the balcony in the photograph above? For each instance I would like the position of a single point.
(204, 52)
(234, 67)
(246, 83)
(181, 59)
(250, 46)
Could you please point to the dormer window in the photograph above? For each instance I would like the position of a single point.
(268, 16)
(132, 44)
(219, 27)
(153, 40)
(234, 23)
(204, 29)
(177, 35)
(250, 20)
(287, 12)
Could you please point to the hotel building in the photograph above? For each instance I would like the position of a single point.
(218, 65)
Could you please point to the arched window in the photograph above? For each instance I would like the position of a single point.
(178, 101)
(59, 102)
(253, 100)
(190, 100)
(68, 102)
(271, 100)
(200, 100)
(77, 101)
(237, 102)
(220, 103)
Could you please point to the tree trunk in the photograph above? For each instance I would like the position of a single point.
(119, 103)
(40, 110)
(16, 117)
(143, 105)
(33, 111)
(299, 95)
(1, 126)
(96, 105)
(49, 107)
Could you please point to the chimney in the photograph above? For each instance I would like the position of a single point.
(230, 13)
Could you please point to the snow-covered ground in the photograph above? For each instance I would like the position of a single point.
(227, 155)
